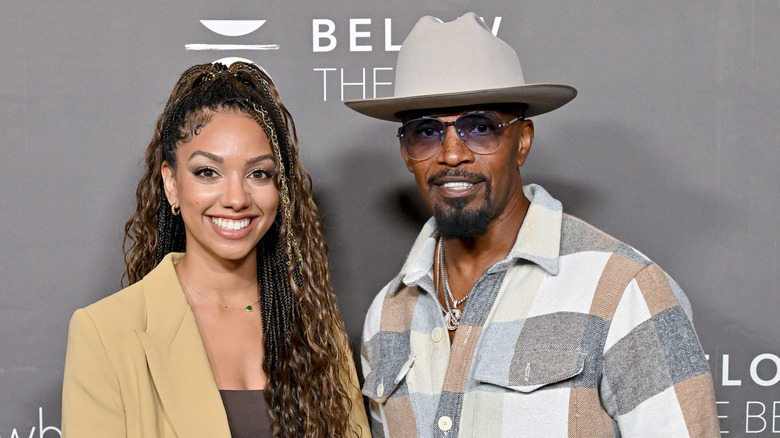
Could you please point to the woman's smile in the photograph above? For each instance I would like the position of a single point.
(229, 224)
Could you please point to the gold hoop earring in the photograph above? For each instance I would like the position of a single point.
(175, 210)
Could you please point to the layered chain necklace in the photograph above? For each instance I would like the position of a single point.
(451, 314)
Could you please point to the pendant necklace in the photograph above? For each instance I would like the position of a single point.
(249, 307)
(452, 314)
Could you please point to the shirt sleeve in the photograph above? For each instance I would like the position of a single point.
(656, 379)
(370, 330)
(91, 400)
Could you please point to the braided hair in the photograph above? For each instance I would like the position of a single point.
(306, 347)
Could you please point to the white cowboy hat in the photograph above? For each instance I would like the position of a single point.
(460, 63)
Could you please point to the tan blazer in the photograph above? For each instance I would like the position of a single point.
(136, 367)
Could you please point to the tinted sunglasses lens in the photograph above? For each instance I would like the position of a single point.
(421, 137)
(481, 131)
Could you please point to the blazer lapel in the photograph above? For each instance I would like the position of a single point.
(177, 359)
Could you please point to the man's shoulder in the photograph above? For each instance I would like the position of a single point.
(374, 314)
(380, 297)
(397, 301)
(578, 236)
(584, 243)
(396, 290)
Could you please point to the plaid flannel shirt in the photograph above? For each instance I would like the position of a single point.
(574, 334)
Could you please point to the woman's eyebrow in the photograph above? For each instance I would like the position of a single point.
(259, 159)
(208, 155)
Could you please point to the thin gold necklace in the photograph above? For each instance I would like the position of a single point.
(249, 307)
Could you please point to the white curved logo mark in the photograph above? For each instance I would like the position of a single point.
(231, 59)
(232, 27)
(231, 46)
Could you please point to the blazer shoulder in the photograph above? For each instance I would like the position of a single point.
(121, 312)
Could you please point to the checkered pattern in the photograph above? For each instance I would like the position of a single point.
(574, 334)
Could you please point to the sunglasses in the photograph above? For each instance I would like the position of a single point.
(480, 131)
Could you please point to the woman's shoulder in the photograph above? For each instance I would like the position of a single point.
(120, 312)
(127, 309)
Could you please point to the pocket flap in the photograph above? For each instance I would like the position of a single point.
(530, 370)
(383, 381)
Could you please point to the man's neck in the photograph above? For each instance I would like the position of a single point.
(468, 258)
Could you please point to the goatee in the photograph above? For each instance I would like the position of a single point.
(458, 222)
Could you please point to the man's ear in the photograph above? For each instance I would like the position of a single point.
(169, 184)
(524, 143)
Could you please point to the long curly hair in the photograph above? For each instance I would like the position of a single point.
(307, 356)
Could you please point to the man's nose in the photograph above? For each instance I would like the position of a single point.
(453, 151)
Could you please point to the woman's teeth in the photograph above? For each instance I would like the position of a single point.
(230, 225)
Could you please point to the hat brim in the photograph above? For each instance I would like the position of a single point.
(540, 98)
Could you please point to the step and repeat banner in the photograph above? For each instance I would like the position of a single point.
(671, 145)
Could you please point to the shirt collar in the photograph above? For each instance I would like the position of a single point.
(538, 241)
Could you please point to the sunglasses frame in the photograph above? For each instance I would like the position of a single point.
(463, 136)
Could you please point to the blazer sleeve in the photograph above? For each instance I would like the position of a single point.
(91, 400)
(357, 417)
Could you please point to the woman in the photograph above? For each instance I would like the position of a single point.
(229, 325)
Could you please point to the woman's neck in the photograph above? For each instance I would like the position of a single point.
(224, 280)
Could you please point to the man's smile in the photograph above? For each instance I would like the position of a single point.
(456, 183)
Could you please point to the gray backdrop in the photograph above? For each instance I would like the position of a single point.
(671, 145)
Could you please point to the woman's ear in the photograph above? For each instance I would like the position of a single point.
(169, 184)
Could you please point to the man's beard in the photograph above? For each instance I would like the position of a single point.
(461, 223)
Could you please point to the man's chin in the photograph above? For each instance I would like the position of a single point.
(462, 223)
(453, 205)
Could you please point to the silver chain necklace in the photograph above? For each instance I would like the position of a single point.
(452, 314)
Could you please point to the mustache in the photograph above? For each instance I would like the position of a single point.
(457, 172)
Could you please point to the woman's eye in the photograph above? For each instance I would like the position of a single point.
(206, 172)
(261, 174)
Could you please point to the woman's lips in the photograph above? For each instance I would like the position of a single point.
(230, 224)
(232, 228)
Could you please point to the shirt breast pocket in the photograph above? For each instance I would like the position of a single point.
(527, 371)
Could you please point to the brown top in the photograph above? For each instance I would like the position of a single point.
(247, 413)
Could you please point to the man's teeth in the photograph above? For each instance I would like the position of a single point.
(457, 185)
(230, 225)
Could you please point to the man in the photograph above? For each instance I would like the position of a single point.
(510, 318)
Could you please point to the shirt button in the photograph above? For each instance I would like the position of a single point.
(445, 423)
(380, 390)
(436, 335)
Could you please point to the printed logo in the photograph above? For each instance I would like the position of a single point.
(358, 82)
(42, 431)
(232, 28)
